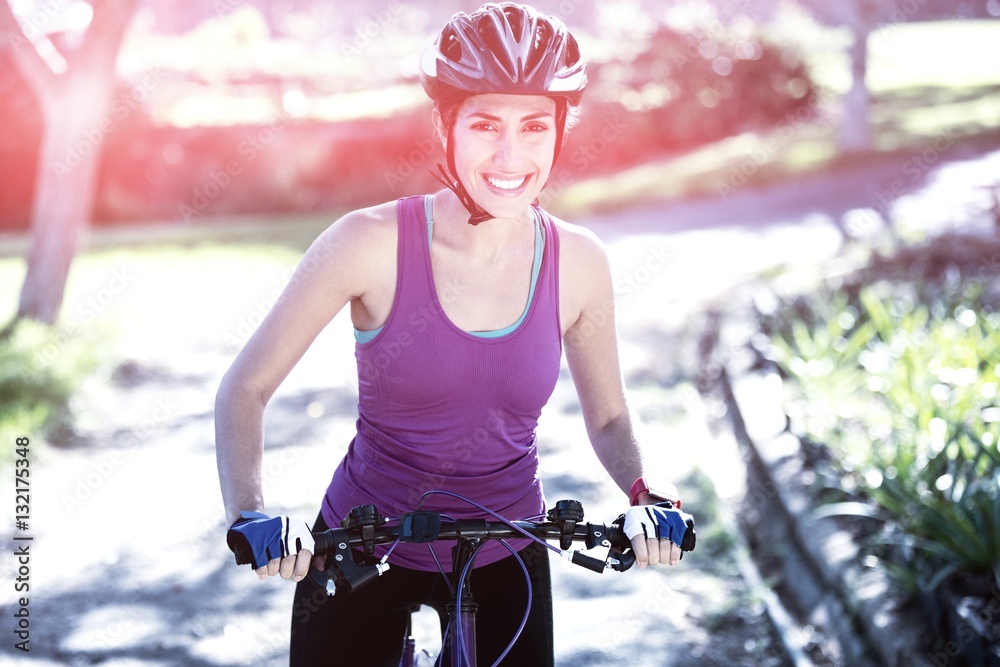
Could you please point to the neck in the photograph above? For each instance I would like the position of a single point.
(493, 234)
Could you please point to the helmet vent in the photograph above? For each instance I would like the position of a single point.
(538, 50)
(514, 20)
(451, 46)
(495, 34)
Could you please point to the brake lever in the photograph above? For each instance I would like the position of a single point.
(619, 561)
(343, 571)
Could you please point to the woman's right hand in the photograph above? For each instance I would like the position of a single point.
(276, 545)
(294, 567)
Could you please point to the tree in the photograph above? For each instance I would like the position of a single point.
(862, 18)
(73, 86)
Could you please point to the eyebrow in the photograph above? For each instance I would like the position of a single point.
(532, 116)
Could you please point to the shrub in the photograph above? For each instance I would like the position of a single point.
(900, 380)
(684, 90)
(39, 371)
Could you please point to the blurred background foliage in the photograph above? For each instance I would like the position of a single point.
(39, 374)
(308, 99)
(324, 111)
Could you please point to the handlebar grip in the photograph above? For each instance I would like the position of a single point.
(324, 543)
(616, 534)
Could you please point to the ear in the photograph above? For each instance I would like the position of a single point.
(442, 131)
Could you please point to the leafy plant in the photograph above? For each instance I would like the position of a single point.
(40, 367)
(900, 380)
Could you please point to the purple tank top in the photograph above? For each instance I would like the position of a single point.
(440, 408)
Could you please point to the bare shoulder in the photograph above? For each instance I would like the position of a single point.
(580, 250)
(363, 227)
(355, 252)
(380, 215)
(358, 239)
(584, 273)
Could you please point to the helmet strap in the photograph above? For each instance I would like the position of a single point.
(477, 214)
(562, 110)
(449, 178)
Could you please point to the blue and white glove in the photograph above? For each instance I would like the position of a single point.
(661, 521)
(258, 538)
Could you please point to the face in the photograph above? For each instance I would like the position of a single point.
(504, 145)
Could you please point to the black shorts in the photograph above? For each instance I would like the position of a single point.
(368, 627)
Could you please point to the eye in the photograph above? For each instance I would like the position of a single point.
(535, 127)
(484, 126)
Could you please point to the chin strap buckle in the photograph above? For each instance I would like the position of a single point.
(478, 214)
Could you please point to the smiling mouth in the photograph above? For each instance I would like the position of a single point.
(507, 184)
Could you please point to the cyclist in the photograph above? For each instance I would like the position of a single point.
(463, 303)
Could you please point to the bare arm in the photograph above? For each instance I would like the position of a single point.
(334, 271)
(591, 346)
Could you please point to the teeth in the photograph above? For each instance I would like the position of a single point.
(506, 184)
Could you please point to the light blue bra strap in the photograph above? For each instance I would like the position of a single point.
(366, 336)
(429, 214)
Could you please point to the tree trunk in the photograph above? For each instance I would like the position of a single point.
(75, 105)
(855, 131)
(65, 190)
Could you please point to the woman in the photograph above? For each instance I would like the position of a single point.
(462, 303)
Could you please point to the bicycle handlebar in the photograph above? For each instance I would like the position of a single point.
(365, 527)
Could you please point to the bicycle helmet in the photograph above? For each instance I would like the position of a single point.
(502, 48)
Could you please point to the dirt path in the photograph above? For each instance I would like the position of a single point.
(129, 564)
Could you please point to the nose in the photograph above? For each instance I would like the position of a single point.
(508, 149)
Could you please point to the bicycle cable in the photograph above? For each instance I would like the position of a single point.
(502, 519)
(457, 590)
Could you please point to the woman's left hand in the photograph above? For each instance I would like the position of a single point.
(658, 531)
(655, 551)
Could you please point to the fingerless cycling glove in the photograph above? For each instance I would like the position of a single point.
(258, 538)
(662, 520)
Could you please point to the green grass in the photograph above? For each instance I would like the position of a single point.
(293, 231)
(951, 54)
(754, 160)
(720, 168)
